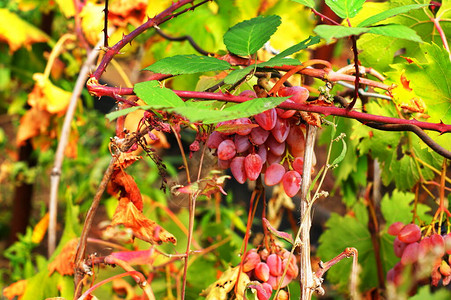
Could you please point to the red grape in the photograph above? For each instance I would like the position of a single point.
(241, 143)
(410, 233)
(224, 164)
(438, 244)
(250, 261)
(259, 135)
(274, 146)
(298, 165)
(291, 182)
(298, 94)
(447, 239)
(281, 130)
(253, 165)
(398, 247)
(262, 271)
(237, 169)
(262, 152)
(215, 139)
(295, 137)
(226, 150)
(395, 228)
(275, 265)
(410, 254)
(244, 129)
(267, 119)
(274, 174)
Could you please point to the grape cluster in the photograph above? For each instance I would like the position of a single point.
(420, 252)
(268, 268)
(271, 143)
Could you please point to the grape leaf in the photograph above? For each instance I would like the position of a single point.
(389, 13)
(278, 60)
(24, 34)
(345, 8)
(188, 64)
(380, 51)
(311, 40)
(195, 112)
(342, 232)
(156, 96)
(394, 151)
(396, 31)
(329, 32)
(119, 113)
(428, 83)
(247, 37)
(308, 3)
(398, 207)
(238, 74)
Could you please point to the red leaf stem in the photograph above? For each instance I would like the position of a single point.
(100, 90)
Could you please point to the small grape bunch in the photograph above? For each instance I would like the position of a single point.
(431, 254)
(270, 143)
(268, 268)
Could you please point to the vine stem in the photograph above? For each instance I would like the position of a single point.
(99, 90)
(81, 248)
(64, 139)
(305, 268)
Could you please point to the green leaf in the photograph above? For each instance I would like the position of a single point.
(278, 60)
(188, 64)
(345, 8)
(398, 207)
(238, 74)
(156, 96)
(308, 3)
(119, 113)
(311, 40)
(342, 232)
(380, 51)
(247, 37)
(389, 13)
(396, 31)
(328, 32)
(340, 158)
(196, 113)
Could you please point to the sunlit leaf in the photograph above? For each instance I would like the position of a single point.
(156, 96)
(308, 3)
(247, 37)
(396, 31)
(329, 32)
(67, 7)
(389, 13)
(220, 288)
(17, 32)
(40, 229)
(188, 64)
(345, 8)
(234, 111)
(123, 12)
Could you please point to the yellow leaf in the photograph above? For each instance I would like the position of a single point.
(47, 96)
(66, 7)
(92, 17)
(17, 32)
(220, 288)
(15, 289)
(40, 229)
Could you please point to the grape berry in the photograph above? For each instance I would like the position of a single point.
(271, 143)
(430, 255)
(267, 268)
